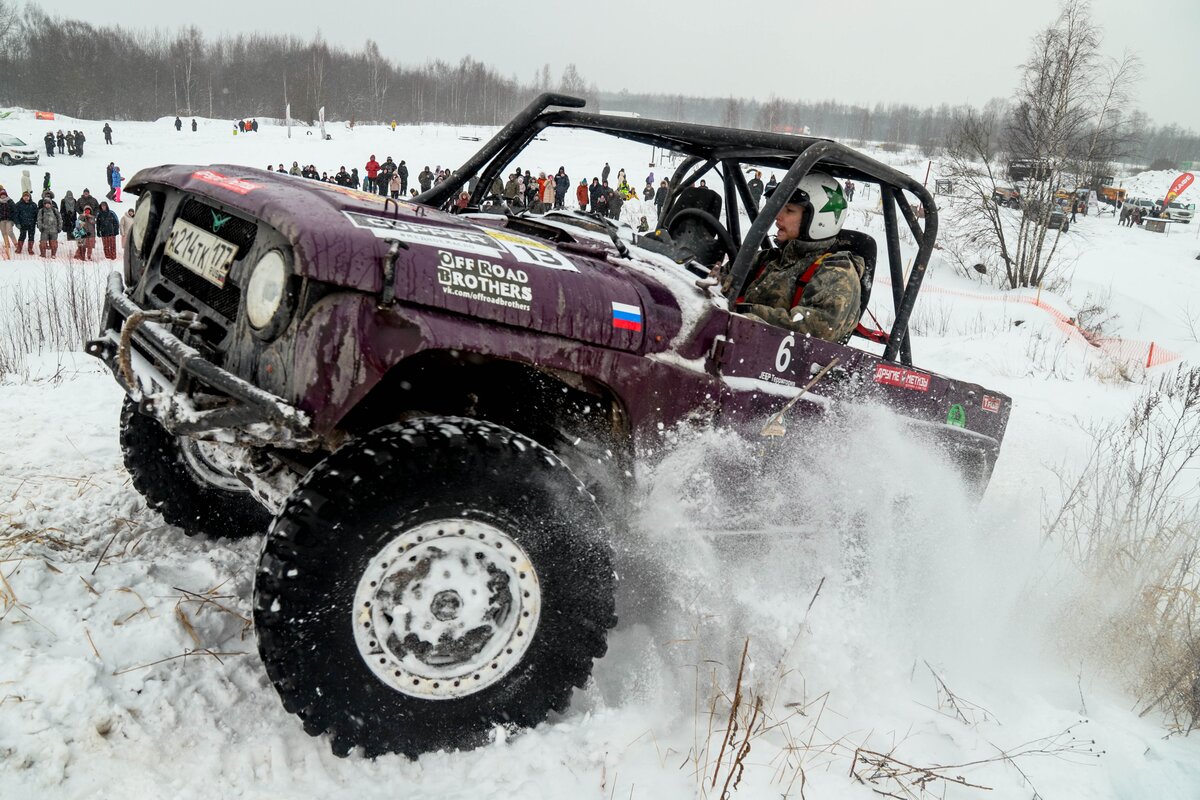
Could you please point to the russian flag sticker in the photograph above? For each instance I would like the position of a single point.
(627, 317)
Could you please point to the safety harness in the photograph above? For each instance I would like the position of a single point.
(875, 335)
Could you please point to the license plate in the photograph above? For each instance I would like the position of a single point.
(204, 254)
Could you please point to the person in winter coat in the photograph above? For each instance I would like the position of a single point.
(425, 179)
(604, 172)
(45, 182)
(354, 182)
(126, 227)
(372, 170)
(549, 191)
(108, 228)
(581, 195)
(49, 225)
(600, 199)
(25, 218)
(647, 193)
(342, 178)
(594, 192)
(295, 170)
(179, 124)
(49, 139)
(86, 200)
(7, 209)
(394, 185)
(70, 143)
(755, 185)
(26, 182)
(68, 211)
(85, 234)
(108, 179)
(562, 185)
(520, 198)
(79, 140)
(107, 133)
(511, 189)
(402, 171)
(193, 125)
(615, 201)
(61, 141)
(386, 170)
(118, 180)
(643, 225)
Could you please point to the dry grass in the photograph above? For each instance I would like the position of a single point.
(56, 315)
(1130, 520)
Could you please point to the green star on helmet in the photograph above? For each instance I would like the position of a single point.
(836, 201)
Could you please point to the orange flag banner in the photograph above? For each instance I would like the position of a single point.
(1181, 183)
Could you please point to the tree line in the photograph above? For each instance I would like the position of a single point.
(111, 72)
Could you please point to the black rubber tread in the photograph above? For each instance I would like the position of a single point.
(347, 507)
(159, 473)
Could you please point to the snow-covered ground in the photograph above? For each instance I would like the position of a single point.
(101, 600)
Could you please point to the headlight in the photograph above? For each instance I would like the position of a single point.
(265, 291)
(141, 221)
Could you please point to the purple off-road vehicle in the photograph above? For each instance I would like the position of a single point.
(433, 416)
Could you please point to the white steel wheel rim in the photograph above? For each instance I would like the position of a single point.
(204, 459)
(446, 609)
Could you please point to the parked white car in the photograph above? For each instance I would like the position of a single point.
(1181, 212)
(1144, 203)
(15, 151)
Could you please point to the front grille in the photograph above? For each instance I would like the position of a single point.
(233, 229)
(224, 300)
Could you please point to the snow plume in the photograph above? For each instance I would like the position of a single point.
(892, 625)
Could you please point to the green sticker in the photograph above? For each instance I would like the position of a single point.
(957, 416)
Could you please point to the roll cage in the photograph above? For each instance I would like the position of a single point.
(708, 147)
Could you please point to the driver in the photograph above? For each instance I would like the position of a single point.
(806, 283)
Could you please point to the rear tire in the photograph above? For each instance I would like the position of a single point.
(176, 480)
(429, 582)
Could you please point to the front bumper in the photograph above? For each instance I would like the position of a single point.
(186, 392)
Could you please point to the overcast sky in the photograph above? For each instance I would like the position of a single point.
(858, 51)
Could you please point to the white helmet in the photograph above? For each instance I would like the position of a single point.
(825, 206)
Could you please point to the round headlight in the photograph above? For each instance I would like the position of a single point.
(264, 293)
(141, 221)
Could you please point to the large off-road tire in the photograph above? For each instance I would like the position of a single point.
(430, 581)
(176, 478)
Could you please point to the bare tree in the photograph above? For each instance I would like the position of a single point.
(378, 72)
(1065, 122)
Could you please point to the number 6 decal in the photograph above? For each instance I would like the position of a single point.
(783, 358)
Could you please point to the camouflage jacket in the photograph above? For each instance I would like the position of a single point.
(829, 307)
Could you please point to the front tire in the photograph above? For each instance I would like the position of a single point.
(178, 479)
(430, 581)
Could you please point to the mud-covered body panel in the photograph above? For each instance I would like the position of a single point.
(401, 279)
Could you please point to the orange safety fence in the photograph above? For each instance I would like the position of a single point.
(1148, 354)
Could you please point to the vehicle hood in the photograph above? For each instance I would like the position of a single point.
(473, 267)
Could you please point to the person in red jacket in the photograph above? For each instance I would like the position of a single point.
(372, 172)
(581, 194)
